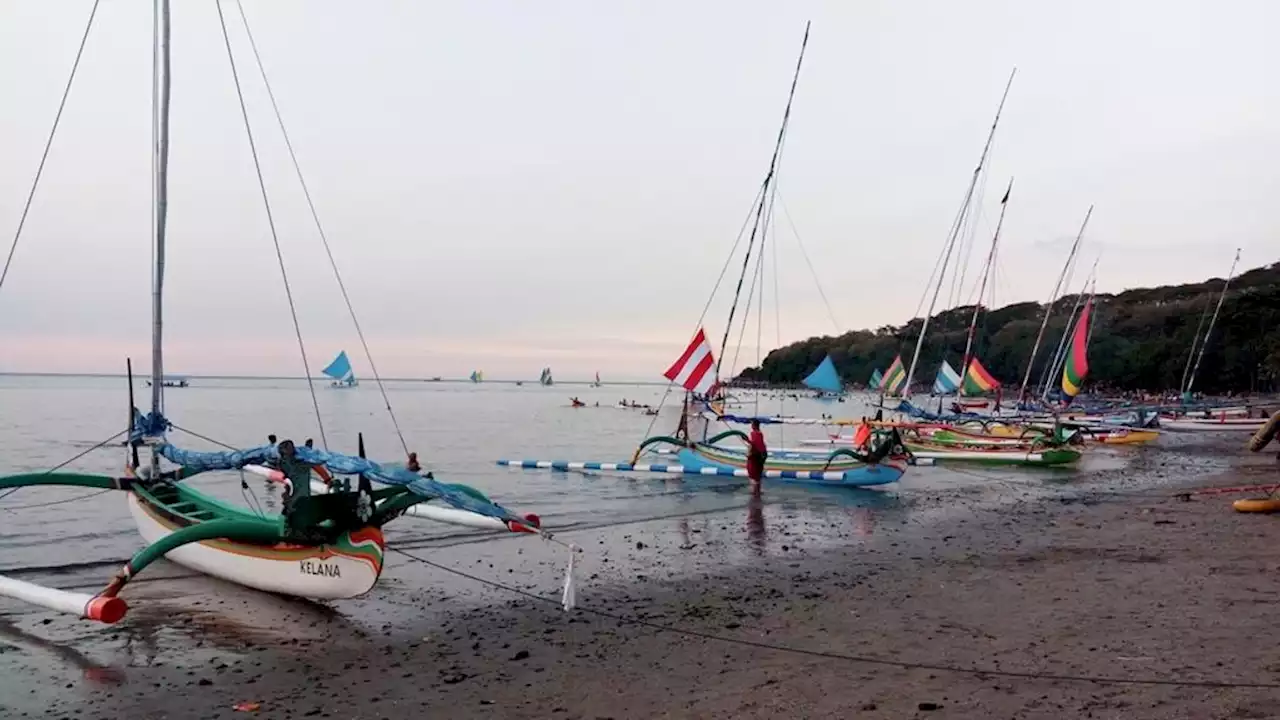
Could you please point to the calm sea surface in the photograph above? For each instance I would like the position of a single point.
(460, 429)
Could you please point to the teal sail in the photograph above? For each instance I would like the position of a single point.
(825, 377)
(877, 378)
(340, 369)
(948, 380)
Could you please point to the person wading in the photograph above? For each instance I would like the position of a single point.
(757, 453)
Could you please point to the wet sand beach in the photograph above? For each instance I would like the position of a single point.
(965, 607)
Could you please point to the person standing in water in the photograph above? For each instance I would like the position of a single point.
(757, 453)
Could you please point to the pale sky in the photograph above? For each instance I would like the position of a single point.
(509, 185)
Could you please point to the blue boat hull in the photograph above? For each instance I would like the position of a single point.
(861, 476)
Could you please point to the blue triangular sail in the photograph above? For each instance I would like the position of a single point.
(825, 377)
(340, 368)
(948, 380)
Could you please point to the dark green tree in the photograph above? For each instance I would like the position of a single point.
(1141, 340)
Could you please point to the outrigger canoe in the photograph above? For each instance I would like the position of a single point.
(325, 546)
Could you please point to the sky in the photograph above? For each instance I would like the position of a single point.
(510, 185)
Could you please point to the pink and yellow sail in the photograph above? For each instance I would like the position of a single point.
(1077, 365)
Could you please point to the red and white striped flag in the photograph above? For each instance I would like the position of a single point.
(695, 370)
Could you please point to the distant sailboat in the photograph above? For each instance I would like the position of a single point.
(546, 377)
(340, 371)
(877, 378)
(824, 378)
(477, 376)
(597, 382)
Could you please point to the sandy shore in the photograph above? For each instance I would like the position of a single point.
(1114, 577)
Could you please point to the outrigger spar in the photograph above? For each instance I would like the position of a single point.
(326, 544)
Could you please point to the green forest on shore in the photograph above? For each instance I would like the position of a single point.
(1141, 340)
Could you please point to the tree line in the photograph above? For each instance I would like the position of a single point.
(1141, 340)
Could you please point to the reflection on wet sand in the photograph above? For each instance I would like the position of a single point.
(91, 669)
(755, 524)
(863, 521)
(211, 615)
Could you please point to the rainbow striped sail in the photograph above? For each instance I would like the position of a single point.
(1077, 365)
(895, 377)
(977, 380)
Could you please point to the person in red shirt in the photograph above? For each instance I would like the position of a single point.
(757, 452)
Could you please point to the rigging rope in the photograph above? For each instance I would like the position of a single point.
(275, 238)
(67, 462)
(724, 269)
(756, 208)
(863, 659)
(764, 193)
(324, 239)
(777, 314)
(746, 312)
(805, 254)
(44, 156)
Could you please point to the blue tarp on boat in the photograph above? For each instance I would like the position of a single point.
(454, 495)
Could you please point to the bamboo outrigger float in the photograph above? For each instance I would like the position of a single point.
(324, 545)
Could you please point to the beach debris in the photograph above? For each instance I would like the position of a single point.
(521, 655)
(247, 706)
(927, 706)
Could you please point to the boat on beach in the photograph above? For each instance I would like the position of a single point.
(322, 546)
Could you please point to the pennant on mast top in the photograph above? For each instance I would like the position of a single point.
(695, 370)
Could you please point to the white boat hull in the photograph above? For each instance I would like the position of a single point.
(1249, 425)
(326, 572)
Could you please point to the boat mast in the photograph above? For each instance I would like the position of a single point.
(759, 210)
(1195, 343)
(1209, 331)
(161, 179)
(982, 291)
(1044, 322)
(956, 230)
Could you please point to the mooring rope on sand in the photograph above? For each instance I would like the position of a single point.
(864, 659)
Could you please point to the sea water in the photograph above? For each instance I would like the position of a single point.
(458, 430)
